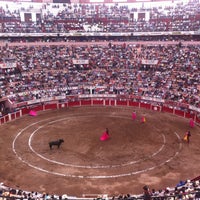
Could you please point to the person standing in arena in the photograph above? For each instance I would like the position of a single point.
(187, 137)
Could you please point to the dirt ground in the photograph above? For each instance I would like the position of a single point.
(136, 154)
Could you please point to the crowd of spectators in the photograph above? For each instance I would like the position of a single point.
(184, 190)
(169, 72)
(65, 18)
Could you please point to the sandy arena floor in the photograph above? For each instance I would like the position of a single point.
(137, 154)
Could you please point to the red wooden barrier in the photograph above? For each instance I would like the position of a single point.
(145, 105)
(121, 103)
(17, 114)
(106, 102)
(198, 119)
(188, 115)
(37, 108)
(6, 118)
(132, 103)
(179, 113)
(109, 102)
(167, 109)
(2, 120)
(50, 106)
(112, 102)
(73, 103)
(156, 108)
(86, 102)
(12, 116)
(25, 111)
(97, 102)
(62, 105)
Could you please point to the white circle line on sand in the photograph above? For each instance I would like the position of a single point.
(87, 176)
(90, 166)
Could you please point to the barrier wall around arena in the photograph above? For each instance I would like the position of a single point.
(52, 105)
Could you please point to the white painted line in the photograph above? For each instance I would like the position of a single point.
(88, 176)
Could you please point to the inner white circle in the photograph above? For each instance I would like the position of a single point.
(89, 166)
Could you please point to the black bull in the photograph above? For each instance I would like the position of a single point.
(56, 143)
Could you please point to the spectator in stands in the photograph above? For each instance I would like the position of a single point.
(146, 193)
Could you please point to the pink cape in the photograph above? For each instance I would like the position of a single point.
(191, 123)
(32, 113)
(104, 136)
(133, 115)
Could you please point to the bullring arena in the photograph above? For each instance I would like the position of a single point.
(137, 154)
(74, 70)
